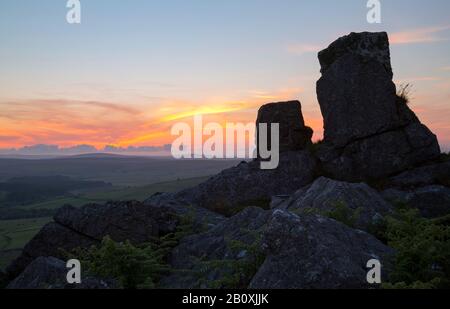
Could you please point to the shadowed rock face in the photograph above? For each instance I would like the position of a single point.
(87, 226)
(294, 135)
(308, 252)
(432, 201)
(369, 131)
(50, 273)
(247, 185)
(364, 206)
(194, 255)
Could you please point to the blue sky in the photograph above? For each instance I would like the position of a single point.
(173, 55)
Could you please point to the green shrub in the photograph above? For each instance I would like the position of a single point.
(422, 251)
(344, 214)
(133, 266)
(235, 273)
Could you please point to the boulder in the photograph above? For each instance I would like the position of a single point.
(432, 201)
(50, 273)
(294, 135)
(310, 251)
(369, 132)
(202, 218)
(359, 205)
(205, 260)
(121, 221)
(438, 173)
(88, 225)
(52, 240)
(248, 185)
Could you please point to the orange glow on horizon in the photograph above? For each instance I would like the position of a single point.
(70, 123)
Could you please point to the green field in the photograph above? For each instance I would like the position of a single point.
(142, 193)
(119, 171)
(131, 178)
(14, 234)
(118, 194)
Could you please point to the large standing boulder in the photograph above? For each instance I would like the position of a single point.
(294, 135)
(370, 132)
(310, 251)
(247, 184)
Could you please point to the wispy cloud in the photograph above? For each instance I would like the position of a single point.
(417, 79)
(421, 35)
(74, 122)
(300, 49)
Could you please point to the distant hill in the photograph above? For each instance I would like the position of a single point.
(119, 170)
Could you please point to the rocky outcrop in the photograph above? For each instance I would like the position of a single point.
(52, 240)
(357, 203)
(309, 252)
(438, 173)
(294, 135)
(50, 273)
(248, 185)
(369, 132)
(289, 240)
(201, 218)
(87, 226)
(205, 260)
(276, 249)
(432, 201)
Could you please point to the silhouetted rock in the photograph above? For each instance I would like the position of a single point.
(357, 203)
(369, 131)
(294, 135)
(50, 273)
(432, 201)
(368, 46)
(248, 185)
(311, 251)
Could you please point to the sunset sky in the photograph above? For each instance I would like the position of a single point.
(134, 68)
